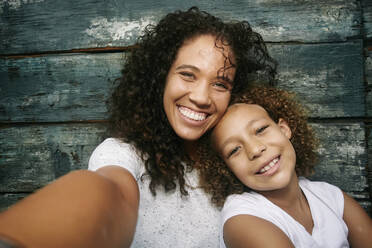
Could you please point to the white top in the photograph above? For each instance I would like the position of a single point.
(166, 220)
(326, 204)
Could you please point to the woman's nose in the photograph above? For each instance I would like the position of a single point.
(199, 94)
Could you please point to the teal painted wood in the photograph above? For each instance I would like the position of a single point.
(343, 155)
(343, 159)
(64, 25)
(328, 78)
(368, 77)
(369, 152)
(367, 18)
(75, 87)
(57, 88)
(31, 156)
(7, 200)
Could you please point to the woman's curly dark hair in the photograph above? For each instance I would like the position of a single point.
(219, 181)
(136, 105)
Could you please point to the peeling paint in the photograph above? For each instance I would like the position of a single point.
(319, 79)
(16, 4)
(116, 29)
(348, 149)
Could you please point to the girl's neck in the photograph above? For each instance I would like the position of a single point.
(293, 201)
(287, 197)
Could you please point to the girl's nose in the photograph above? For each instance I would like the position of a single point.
(255, 148)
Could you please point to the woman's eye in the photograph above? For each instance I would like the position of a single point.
(222, 86)
(233, 151)
(187, 75)
(261, 129)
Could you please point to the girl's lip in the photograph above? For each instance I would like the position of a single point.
(272, 170)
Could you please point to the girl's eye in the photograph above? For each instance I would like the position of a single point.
(233, 151)
(261, 129)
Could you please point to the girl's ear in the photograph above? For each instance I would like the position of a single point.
(284, 127)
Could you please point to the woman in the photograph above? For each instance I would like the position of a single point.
(176, 85)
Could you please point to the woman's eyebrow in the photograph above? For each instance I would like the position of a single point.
(192, 67)
(226, 78)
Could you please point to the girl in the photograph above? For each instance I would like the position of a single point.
(266, 148)
(177, 83)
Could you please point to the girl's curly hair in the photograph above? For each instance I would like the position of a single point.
(136, 105)
(219, 181)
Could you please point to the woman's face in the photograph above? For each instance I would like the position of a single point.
(198, 86)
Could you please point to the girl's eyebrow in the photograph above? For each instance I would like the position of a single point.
(231, 138)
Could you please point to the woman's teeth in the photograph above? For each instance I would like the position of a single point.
(196, 116)
(269, 166)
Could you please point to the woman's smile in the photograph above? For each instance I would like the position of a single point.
(196, 95)
(192, 115)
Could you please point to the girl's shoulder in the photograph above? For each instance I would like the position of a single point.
(319, 187)
(250, 203)
(324, 192)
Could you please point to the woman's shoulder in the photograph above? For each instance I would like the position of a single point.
(113, 151)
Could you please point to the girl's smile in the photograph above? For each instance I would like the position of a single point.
(256, 148)
(270, 168)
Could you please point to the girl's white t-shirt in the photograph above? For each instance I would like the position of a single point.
(167, 219)
(326, 203)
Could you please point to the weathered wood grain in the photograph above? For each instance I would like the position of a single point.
(343, 156)
(328, 78)
(65, 25)
(75, 87)
(57, 88)
(6, 200)
(369, 152)
(32, 156)
(367, 18)
(343, 159)
(368, 77)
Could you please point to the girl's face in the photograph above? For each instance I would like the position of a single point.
(198, 86)
(255, 148)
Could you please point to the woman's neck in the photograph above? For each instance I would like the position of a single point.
(191, 149)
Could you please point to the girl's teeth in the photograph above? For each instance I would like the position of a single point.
(271, 164)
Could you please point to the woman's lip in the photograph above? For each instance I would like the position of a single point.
(189, 120)
(193, 110)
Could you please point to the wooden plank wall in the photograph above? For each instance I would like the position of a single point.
(58, 61)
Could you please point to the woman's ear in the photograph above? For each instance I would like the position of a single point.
(284, 127)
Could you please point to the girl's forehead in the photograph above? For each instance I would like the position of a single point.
(238, 115)
(245, 109)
